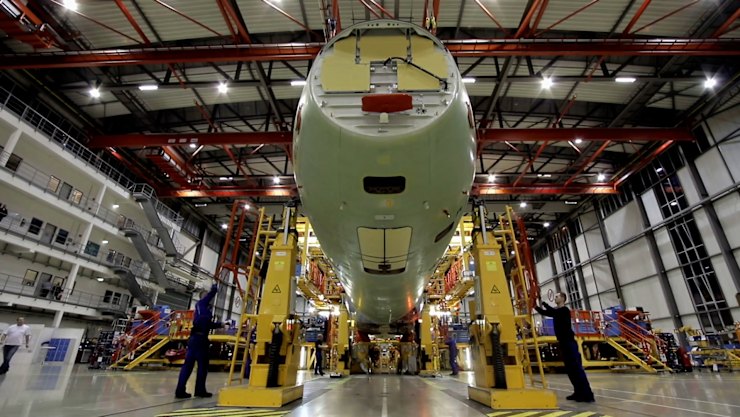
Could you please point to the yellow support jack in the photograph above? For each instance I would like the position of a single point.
(341, 355)
(429, 349)
(499, 374)
(274, 369)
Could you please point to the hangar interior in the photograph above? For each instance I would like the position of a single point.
(151, 148)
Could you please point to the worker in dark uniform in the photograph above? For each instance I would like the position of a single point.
(452, 346)
(568, 348)
(319, 352)
(198, 347)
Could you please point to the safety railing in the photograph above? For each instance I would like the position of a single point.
(631, 331)
(139, 335)
(66, 137)
(148, 191)
(51, 185)
(69, 138)
(20, 286)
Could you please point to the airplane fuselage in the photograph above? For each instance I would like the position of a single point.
(384, 159)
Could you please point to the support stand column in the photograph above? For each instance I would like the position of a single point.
(342, 344)
(429, 349)
(274, 370)
(499, 375)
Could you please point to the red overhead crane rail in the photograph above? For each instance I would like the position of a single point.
(307, 51)
(625, 134)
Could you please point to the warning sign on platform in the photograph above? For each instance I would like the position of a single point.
(495, 290)
(276, 290)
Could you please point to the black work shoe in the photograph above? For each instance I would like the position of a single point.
(572, 397)
(182, 395)
(203, 394)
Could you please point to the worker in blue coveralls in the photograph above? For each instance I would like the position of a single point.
(198, 347)
(568, 348)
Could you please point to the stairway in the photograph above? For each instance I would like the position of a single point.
(636, 355)
(141, 353)
(144, 195)
(147, 256)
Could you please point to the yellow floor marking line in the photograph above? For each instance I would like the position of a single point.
(225, 412)
(556, 414)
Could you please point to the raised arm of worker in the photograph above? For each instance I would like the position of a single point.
(203, 317)
(545, 310)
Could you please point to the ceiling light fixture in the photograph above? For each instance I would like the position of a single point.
(71, 5)
(547, 83)
(115, 206)
(95, 92)
(298, 83)
(193, 146)
(600, 177)
(571, 203)
(710, 83)
(578, 141)
(101, 279)
(523, 204)
(659, 169)
(491, 177)
(201, 204)
(468, 80)
(148, 87)
(276, 180)
(546, 224)
(625, 80)
(223, 88)
(224, 226)
(105, 242)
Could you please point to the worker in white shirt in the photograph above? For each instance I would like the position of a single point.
(13, 338)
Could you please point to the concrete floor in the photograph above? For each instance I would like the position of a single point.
(51, 391)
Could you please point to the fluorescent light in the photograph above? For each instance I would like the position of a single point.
(579, 140)
(710, 83)
(148, 87)
(101, 279)
(546, 224)
(659, 169)
(193, 146)
(468, 80)
(223, 88)
(105, 242)
(201, 204)
(224, 226)
(225, 178)
(571, 203)
(491, 177)
(276, 180)
(626, 80)
(298, 83)
(71, 5)
(523, 204)
(95, 92)
(246, 207)
(115, 206)
(601, 177)
(547, 83)
(674, 203)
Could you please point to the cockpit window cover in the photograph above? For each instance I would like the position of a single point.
(384, 185)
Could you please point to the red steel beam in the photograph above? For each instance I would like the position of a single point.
(636, 17)
(582, 8)
(625, 134)
(285, 191)
(308, 51)
(524, 27)
(370, 9)
(491, 16)
(181, 14)
(545, 189)
(587, 134)
(643, 162)
(132, 21)
(538, 19)
(660, 19)
(382, 10)
(588, 162)
(725, 26)
(284, 13)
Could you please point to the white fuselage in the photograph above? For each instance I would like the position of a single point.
(384, 244)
